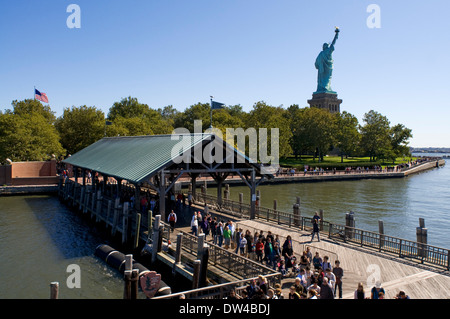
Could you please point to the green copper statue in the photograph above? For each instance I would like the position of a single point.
(324, 65)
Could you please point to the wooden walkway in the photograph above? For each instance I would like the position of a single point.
(366, 266)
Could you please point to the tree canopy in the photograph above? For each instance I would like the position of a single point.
(30, 130)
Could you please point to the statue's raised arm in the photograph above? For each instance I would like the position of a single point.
(335, 37)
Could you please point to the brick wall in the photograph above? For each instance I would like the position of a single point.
(29, 173)
(33, 169)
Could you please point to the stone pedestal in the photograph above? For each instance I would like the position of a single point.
(328, 101)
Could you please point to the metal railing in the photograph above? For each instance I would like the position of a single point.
(237, 265)
(219, 291)
(404, 248)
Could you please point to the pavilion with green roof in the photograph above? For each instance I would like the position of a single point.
(158, 161)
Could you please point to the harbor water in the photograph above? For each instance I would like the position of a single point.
(40, 240)
(398, 202)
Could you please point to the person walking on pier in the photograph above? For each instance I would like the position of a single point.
(194, 224)
(316, 220)
(172, 220)
(338, 273)
(227, 237)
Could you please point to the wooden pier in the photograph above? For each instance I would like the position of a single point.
(409, 271)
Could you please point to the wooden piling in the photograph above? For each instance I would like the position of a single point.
(150, 222)
(99, 206)
(125, 223)
(138, 229)
(54, 290)
(381, 231)
(422, 238)
(115, 222)
(156, 237)
(196, 277)
(108, 211)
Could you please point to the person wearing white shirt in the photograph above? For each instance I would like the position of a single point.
(194, 224)
(331, 277)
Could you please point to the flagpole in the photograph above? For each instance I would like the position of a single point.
(34, 93)
(210, 125)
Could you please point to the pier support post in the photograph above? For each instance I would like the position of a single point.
(108, 212)
(196, 277)
(83, 190)
(202, 255)
(177, 253)
(349, 225)
(115, 221)
(54, 290)
(131, 277)
(226, 192)
(422, 239)
(125, 223)
(150, 223)
(156, 237)
(138, 230)
(381, 231)
(99, 206)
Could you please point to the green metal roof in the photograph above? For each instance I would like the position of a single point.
(132, 158)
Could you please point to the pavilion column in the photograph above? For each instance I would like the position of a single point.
(84, 177)
(194, 182)
(119, 187)
(137, 199)
(219, 178)
(75, 172)
(162, 195)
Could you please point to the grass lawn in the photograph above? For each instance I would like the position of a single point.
(335, 161)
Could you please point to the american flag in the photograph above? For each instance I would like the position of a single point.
(40, 96)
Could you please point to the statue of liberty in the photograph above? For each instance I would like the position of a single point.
(324, 65)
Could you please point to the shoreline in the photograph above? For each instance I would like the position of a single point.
(300, 178)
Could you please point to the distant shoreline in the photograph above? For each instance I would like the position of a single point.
(298, 178)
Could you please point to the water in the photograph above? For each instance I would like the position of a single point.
(39, 239)
(398, 202)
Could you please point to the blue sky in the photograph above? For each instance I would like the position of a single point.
(173, 52)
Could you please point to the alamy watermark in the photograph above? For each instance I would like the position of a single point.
(74, 19)
(257, 150)
(374, 19)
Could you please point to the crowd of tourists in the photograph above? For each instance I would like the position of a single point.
(315, 276)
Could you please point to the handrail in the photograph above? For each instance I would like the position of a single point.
(404, 248)
(218, 291)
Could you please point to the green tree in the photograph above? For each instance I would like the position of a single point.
(27, 134)
(264, 116)
(300, 140)
(80, 127)
(29, 106)
(399, 138)
(169, 114)
(375, 135)
(199, 111)
(347, 136)
(129, 111)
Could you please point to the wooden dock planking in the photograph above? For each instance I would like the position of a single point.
(362, 265)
